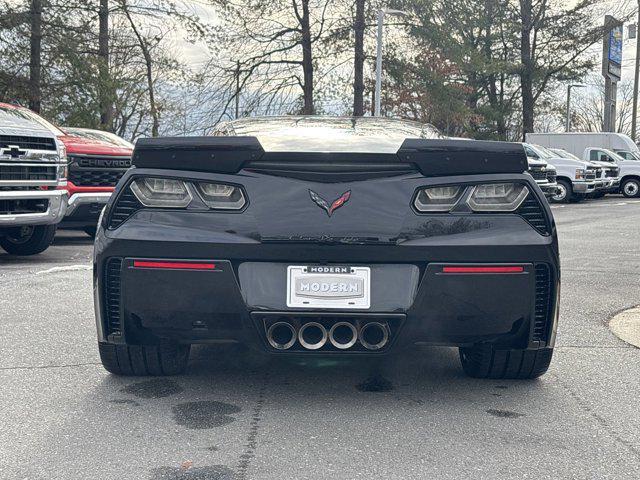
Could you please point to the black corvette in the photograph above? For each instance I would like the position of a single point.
(308, 235)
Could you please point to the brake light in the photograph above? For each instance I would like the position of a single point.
(174, 265)
(485, 269)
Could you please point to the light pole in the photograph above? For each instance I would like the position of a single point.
(381, 13)
(576, 85)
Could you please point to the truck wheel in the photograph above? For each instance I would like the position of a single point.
(143, 360)
(28, 240)
(564, 192)
(483, 361)
(631, 188)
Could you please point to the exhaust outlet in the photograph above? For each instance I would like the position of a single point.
(343, 335)
(312, 335)
(374, 335)
(281, 335)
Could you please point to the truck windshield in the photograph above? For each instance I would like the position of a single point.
(564, 154)
(627, 155)
(23, 116)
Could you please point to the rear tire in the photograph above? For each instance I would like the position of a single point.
(483, 361)
(28, 240)
(631, 188)
(144, 360)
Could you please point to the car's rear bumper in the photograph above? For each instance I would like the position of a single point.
(51, 212)
(247, 289)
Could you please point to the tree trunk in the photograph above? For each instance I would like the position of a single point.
(526, 73)
(35, 60)
(307, 60)
(105, 94)
(358, 64)
(148, 63)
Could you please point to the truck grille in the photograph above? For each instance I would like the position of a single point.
(537, 173)
(21, 207)
(97, 171)
(551, 176)
(543, 304)
(591, 174)
(27, 143)
(113, 268)
(598, 173)
(91, 178)
(612, 172)
(27, 172)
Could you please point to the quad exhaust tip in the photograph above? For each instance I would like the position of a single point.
(312, 335)
(343, 335)
(281, 335)
(374, 335)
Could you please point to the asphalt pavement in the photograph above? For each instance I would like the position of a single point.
(237, 415)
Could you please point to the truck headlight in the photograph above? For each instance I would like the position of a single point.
(580, 174)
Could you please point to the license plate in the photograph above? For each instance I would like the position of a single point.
(342, 287)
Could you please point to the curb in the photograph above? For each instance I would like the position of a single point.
(626, 326)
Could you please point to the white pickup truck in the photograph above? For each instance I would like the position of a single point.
(33, 168)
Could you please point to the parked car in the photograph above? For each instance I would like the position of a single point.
(33, 175)
(97, 160)
(341, 236)
(576, 178)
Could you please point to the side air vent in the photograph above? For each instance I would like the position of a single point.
(533, 213)
(543, 305)
(126, 205)
(112, 295)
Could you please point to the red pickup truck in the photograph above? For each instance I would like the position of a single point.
(97, 160)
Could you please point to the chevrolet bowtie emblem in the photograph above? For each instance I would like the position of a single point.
(330, 208)
(13, 151)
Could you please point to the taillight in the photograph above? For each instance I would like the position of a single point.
(221, 196)
(156, 192)
(497, 197)
(486, 197)
(161, 192)
(438, 199)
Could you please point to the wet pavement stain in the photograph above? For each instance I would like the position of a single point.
(124, 401)
(204, 414)
(154, 388)
(376, 383)
(504, 413)
(501, 387)
(212, 448)
(213, 472)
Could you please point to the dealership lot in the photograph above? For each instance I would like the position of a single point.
(236, 414)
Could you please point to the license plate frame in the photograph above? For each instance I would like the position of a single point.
(329, 287)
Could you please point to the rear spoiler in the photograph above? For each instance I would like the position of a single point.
(231, 154)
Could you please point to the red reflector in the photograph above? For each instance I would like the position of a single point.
(174, 265)
(482, 269)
